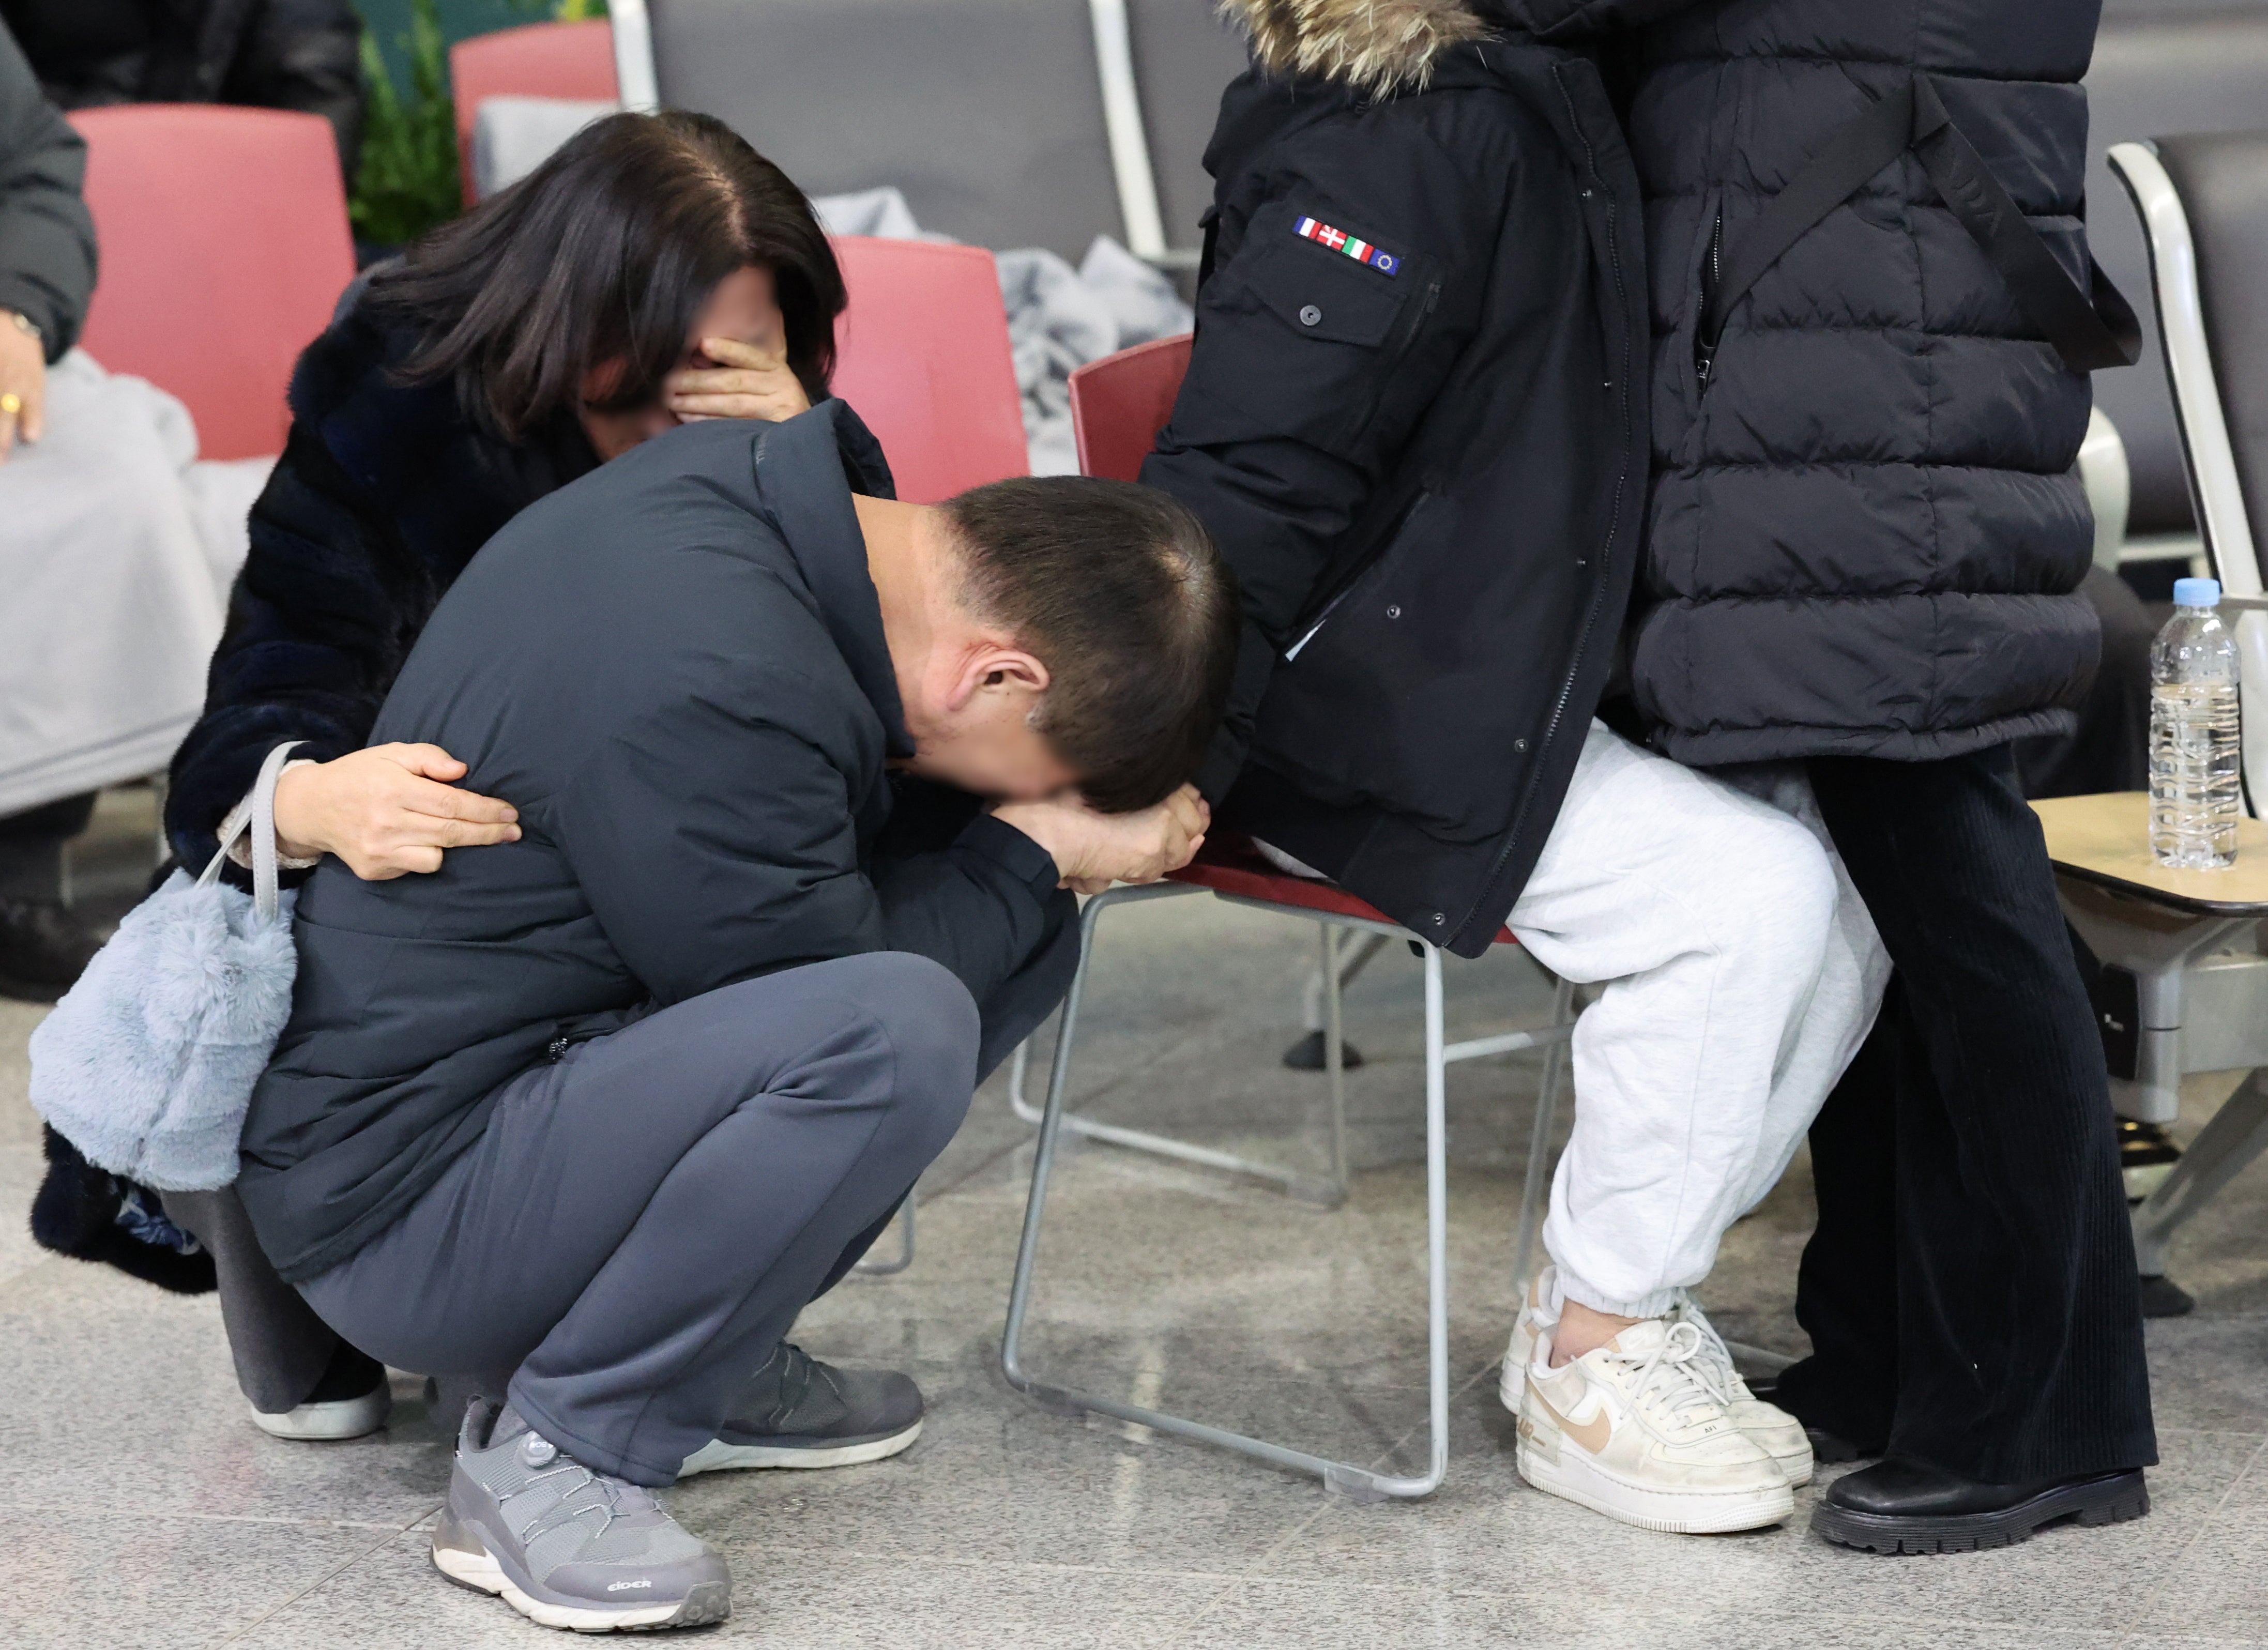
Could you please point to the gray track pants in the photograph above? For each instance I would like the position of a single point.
(640, 1223)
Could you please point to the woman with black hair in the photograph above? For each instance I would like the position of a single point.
(656, 269)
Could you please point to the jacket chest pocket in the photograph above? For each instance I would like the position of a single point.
(1295, 342)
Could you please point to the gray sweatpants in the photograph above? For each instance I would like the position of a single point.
(639, 1224)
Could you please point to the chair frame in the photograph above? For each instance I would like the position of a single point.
(1125, 132)
(2210, 458)
(1341, 1478)
(2196, 1008)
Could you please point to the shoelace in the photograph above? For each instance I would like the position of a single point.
(1670, 1378)
(618, 1498)
(1716, 1365)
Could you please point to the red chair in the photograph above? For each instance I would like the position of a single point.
(537, 60)
(1118, 404)
(225, 248)
(923, 354)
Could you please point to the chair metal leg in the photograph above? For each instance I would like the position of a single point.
(1334, 1055)
(1340, 1476)
(1352, 960)
(1344, 1478)
(1539, 1138)
(905, 1255)
(2237, 1134)
(1329, 1192)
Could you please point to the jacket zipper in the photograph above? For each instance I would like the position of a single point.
(1320, 611)
(1319, 608)
(1713, 274)
(1598, 583)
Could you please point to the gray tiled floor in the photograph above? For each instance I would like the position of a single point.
(139, 1507)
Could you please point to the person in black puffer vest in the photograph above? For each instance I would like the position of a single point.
(1867, 539)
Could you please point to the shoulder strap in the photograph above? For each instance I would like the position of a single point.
(260, 822)
(2089, 329)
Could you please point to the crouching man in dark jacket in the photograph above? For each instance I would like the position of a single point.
(1414, 422)
(599, 1111)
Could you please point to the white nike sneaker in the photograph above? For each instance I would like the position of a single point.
(1780, 1433)
(1533, 1319)
(1635, 1429)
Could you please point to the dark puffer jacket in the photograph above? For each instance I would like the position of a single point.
(1866, 534)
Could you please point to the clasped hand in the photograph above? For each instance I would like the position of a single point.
(1093, 849)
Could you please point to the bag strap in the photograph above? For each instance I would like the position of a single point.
(260, 822)
(2089, 329)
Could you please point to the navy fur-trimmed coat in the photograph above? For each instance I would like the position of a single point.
(383, 493)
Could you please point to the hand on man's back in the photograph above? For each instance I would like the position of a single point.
(1093, 849)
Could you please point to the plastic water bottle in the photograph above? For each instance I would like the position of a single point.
(2194, 763)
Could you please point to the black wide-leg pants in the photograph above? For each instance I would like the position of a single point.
(1970, 1291)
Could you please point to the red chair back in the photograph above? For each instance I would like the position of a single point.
(225, 248)
(923, 355)
(537, 60)
(1119, 403)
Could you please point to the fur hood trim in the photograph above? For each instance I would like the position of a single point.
(1379, 46)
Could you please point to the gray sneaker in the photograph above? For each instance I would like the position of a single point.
(566, 1546)
(797, 1411)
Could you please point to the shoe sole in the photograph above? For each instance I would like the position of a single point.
(713, 1601)
(1574, 1478)
(718, 1455)
(1796, 1468)
(329, 1423)
(2113, 1499)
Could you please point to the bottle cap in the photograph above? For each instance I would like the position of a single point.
(2197, 592)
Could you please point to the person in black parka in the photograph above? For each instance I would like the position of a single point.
(1413, 420)
(1866, 540)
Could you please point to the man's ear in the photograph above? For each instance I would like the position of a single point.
(993, 666)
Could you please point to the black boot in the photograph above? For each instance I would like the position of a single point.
(1905, 1507)
(43, 948)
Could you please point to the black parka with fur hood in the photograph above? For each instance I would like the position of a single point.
(1866, 530)
(1414, 422)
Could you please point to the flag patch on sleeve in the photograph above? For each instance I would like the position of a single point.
(1353, 245)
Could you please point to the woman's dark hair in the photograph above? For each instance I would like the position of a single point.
(606, 252)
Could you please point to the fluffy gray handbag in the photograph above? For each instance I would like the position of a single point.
(147, 1064)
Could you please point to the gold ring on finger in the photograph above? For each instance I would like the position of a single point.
(10, 403)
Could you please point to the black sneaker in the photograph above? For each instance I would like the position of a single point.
(350, 1400)
(797, 1411)
(43, 948)
(1905, 1507)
